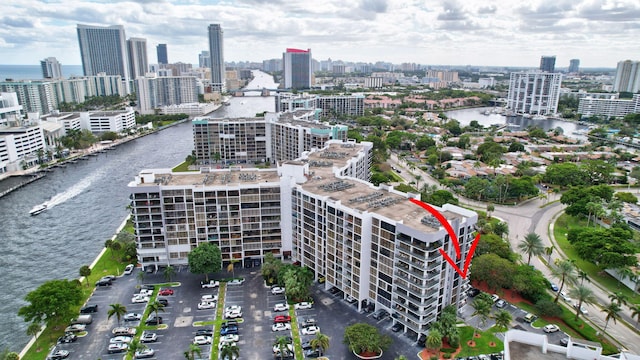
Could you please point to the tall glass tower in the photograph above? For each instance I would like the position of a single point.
(103, 50)
(297, 68)
(138, 61)
(161, 51)
(51, 68)
(216, 52)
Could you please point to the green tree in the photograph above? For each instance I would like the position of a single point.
(134, 346)
(229, 351)
(500, 228)
(193, 350)
(531, 245)
(11, 356)
(490, 209)
(169, 272)
(270, 268)
(282, 343)
(321, 341)
(365, 338)
(434, 340)
(503, 320)
(582, 295)
(482, 309)
(85, 271)
(635, 313)
(155, 307)
(494, 270)
(564, 270)
(117, 310)
(613, 313)
(140, 276)
(53, 303)
(205, 259)
(619, 297)
(583, 275)
(33, 329)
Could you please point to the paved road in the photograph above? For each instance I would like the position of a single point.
(534, 216)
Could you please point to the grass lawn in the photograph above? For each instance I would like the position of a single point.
(183, 167)
(561, 227)
(217, 324)
(481, 343)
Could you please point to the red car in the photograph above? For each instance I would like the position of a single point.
(165, 292)
(282, 319)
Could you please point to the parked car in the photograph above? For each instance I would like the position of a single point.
(209, 284)
(229, 338)
(126, 331)
(233, 308)
(551, 328)
(207, 332)
(501, 303)
(397, 327)
(139, 299)
(58, 354)
(583, 309)
(148, 337)
(281, 307)
(282, 319)
(564, 341)
(310, 330)
(88, 309)
(75, 328)
(120, 339)
(209, 298)
(565, 297)
(495, 297)
(117, 348)
(350, 299)
(147, 287)
(129, 269)
(165, 292)
(233, 314)
(235, 282)
(277, 290)
(226, 330)
(109, 278)
(473, 292)
(202, 340)
(67, 338)
(306, 345)
(303, 305)
(163, 301)
(144, 353)
(145, 292)
(530, 318)
(153, 320)
(554, 287)
(307, 322)
(312, 353)
(380, 314)
(287, 348)
(231, 322)
(102, 282)
(281, 327)
(83, 319)
(206, 305)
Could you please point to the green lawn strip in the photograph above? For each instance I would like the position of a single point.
(183, 167)
(297, 343)
(561, 227)
(482, 342)
(218, 321)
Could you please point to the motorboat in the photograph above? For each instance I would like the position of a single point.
(38, 209)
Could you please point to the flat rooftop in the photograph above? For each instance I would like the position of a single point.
(520, 351)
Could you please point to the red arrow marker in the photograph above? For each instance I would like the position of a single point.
(453, 237)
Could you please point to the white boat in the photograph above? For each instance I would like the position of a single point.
(38, 209)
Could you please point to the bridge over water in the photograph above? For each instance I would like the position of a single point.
(262, 91)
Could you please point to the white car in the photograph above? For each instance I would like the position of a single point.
(123, 331)
(120, 339)
(206, 305)
(75, 328)
(222, 344)
(233, 308)
(551, 328)
(235, 282)
(303, 305)
(310, 330)
(210, 284)
(281, 327)
(583, 309)
(277, 290)
(132, 317)
(202, 340)
(148, 337)
(281, 307)
(145, 353)
(139, 299)
(128, 269)
(565, 297)
(229, 338)
(276, 348)
(209, 298)
(145, 292)
(234, 314)
(117, 348)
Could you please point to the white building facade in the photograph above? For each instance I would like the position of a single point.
(534, 93)
(608, 108)
(154, 92)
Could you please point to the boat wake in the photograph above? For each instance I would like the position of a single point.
(73, 191)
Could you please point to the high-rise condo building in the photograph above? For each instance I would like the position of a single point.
(138, 61)
(297, 69)
(216, 53)
(548, 63)
(155, 92)
(627, 76)
(161, 50)
(51, 68)
(574, 66)
(204, 59)
(535, 92)
(103, 50)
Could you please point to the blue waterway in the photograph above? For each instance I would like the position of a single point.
(34, 72)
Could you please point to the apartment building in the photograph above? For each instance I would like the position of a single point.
(103, 121)
(19, 144)
(155, 92)
(370, 242)
(330, 106)
(534, 93)
(34, 96)
(10, 108)
(612, 107)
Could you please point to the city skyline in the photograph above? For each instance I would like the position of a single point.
(499, 33)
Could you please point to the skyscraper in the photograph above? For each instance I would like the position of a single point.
(297, 69)
(51, 68)
(138, 61)
(204, 59)
(548, 63)
(574, 66)
(103, 49)
(627, 76)
(216, 53)
(535, 92)
(161, 50)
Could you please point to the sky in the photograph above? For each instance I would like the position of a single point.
(431, 32)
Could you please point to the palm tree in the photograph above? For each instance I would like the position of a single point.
(619, 297)
(482, 308)
(501, 229)
(85, 271)
(625, 273)
(118, 310)
(613, 313)
(434, 340)
(169, 272)
(155, 307)
(582, 275)
(490, 209)
(592, 208)
(282, 343)
(321, 341)
(635, 313)
(583, 295)
(193, 350)
(564, 270)
(134, 346)
(548, 251)
(229, 351)
(531, 245)
(503, 319)
(140, 276)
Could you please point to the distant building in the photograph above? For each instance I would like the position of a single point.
(297, 69)
(51, 68)
(155, 92)
(161, 53)
(10, 108)
(445, 76)
(627, 76)
(373, 82)
(611, 107)
(204, 59)
(574, 66)
(329, 106)
(137, 53)
(548, 64)
(534, 93)
(272, 65)
(486, 82)
(103, 50)
(216, 52)
(102, 121)
(19, 144)
(34, 96)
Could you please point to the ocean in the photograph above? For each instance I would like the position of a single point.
(34, 72)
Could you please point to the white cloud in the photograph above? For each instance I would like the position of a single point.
(491, 32)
